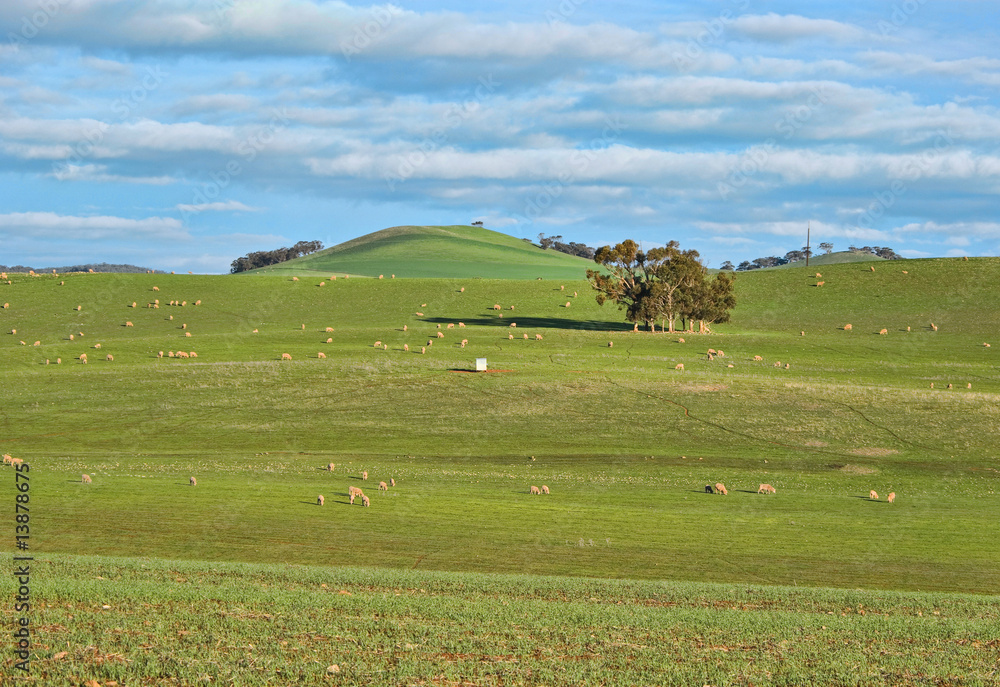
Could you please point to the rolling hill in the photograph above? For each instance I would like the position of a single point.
(436, 252)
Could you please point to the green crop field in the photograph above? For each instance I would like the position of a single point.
(520, 589)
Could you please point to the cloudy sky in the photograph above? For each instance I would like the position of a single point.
(181, 134)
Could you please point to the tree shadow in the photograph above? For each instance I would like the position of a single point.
(539, 323)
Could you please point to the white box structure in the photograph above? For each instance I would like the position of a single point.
(480, 364)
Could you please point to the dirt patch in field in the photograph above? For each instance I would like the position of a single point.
(873, 452)
(815, 444)
(854, 469)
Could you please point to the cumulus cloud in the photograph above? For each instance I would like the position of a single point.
(780, 28)
(220, 206)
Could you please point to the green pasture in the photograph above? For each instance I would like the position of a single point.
(138, 621)
(625, 441)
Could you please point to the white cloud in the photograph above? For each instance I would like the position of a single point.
(220, 206)
(50, 225)
(778, 28)
(98, 173)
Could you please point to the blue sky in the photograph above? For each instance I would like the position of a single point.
(182, 134)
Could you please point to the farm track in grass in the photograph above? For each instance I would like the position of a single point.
(625, 441)
(151, 622)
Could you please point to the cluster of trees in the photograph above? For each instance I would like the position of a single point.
(264, 258)
(797, 255)
(571, 248)
(662, 284)
(881, 251)
(97, 267)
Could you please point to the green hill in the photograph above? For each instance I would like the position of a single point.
(838, 258)
(436, 252)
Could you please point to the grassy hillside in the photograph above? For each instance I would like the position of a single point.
(626, 441)
(437, 252)
(838, 258)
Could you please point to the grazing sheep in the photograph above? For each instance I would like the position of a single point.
(110, 358)
(439, 326)
(382, 486)
(78, 308)
(392, 482)
(611, 344)
(535, 490)
(562, 288)
(679, 366)
(711, 351)
(778, 364)
(462, 290)
(303, 327)
(949, 386)
(170, 354)
(354, 491)
(405, 327)
(37, 343)
(678, 340)
(419, 314)
(322, 283)
(187, 334)
(905, 272)
(538, 337)
(364, 501)
(83, 358)
(59, 362)
(934, 326)
(364, 475)
(86, 479)
(932, 385)
(969, 385)
(23, 343)
(451, 325)
(330, 466)
(966, 258)
(182, 354)
(892, 496)
(461, 325)
(321, 354)
(440, 335)
(319, 500)
(848, 327)
(512, 307)
(721, 488)
(907, 329)
(198, 302)
(820, 283)
(788, 366)
(802, 333)
(525, 337)
(286, 356)
(295, 278)
(545, 489)
(819, 276)
(406, 347)
(883, 332)
(329, 330)
(709, 489)
(193, 481)
(193, 354)
(133, 304)
(97, 345)
(183, 326)
(567, 304)
(423, 349)
(985, 345)
(255, 331)
(513, 324)
(872, 268)
(129, 324)
(497, 307)
(156, 288)
(378, 344)
(758, 358)
(766, 489)
(330, 340)
(510, 336)
(873, 495)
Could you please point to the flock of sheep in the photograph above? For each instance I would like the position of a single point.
(720, 488)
